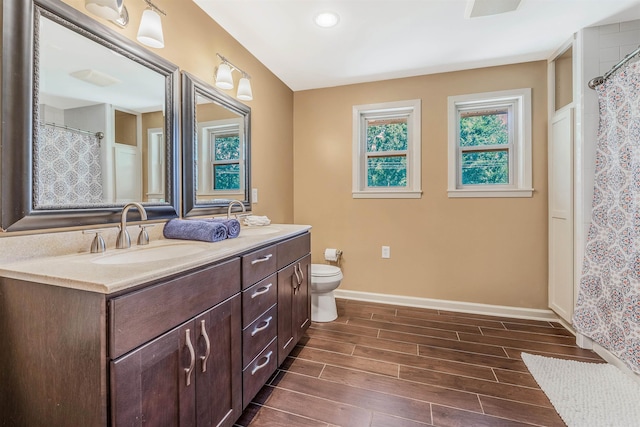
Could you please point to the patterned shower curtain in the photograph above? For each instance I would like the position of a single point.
(67, 168)
(608, 304)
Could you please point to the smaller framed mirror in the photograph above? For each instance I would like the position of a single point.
(216, 138)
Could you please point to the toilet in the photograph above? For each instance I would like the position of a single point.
(324, 280)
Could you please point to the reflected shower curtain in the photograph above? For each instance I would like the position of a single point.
(67, 168)
(608, 304)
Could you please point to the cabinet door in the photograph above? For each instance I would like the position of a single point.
(218, 368)
(154, 386)
(294, 305)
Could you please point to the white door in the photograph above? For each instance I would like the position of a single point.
(561, 287)
(128, 171)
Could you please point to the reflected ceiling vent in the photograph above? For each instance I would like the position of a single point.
(95, 77)
(478, 8)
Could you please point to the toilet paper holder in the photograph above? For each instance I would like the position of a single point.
(332, 255)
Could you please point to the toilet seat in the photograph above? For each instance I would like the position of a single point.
(324, 270)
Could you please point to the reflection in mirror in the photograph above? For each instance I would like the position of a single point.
(89, 121)
(215, 147)
(86, 89)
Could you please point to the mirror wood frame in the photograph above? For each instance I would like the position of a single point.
(192, 87)
(19, 50)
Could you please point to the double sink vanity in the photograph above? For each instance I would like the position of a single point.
(172, 333)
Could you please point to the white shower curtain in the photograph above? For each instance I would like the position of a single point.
(67, 168)
(608, 304)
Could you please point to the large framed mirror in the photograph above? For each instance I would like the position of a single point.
(216, 138)
(89, 121)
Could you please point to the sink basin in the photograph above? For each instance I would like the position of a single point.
(156, 253)
(258, 231)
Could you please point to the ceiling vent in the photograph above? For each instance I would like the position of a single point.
(478, 8)
(95, 77)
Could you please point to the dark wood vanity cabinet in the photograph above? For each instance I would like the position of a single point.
(294, 293)
(190, 375)
(190, 350)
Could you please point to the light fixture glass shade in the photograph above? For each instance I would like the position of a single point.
(244, 89)
(224, 80)
(107, 9)
(150, 31)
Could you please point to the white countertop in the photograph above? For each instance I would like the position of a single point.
(118, 269)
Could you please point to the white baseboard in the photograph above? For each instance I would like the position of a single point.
(462, 307)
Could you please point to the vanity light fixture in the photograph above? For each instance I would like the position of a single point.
(150, 30)
(224, 79)
(113, 10)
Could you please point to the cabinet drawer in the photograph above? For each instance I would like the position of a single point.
(140, 316)
(256, 336)
(258, 265)
(258, 298)
(258, 372)
(293, 249)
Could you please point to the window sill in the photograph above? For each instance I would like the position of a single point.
(519, 192)
(387, 194)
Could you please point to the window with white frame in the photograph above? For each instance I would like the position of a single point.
(490, 144)
(220, 159)
(386, 150)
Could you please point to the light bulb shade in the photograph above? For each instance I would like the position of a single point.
(150, 31)
(224, 80)
(107, 9)
(244, 89)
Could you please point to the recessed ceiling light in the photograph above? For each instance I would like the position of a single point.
(327, 19)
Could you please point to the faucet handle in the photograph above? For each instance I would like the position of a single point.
(97, 245)
(143, 237)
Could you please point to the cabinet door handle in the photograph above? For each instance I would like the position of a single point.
(258, 367)
(261, 291)
(298, 281)
(266, 322)
(262, 259)
(192, 353)
(301, 274)
(203, 332)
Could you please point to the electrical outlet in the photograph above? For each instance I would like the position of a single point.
(386, 252)
(254, 195)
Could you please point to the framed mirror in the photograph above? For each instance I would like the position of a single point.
(90, 121)
(216, 151)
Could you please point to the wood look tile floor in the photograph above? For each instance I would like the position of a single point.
(382, 365)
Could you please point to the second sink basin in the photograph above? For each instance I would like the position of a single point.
(149, 254)
(258, 231)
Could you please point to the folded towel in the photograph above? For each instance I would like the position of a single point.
(256, 220)
(233, 226)
(187, 229)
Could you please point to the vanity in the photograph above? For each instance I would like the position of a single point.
(173, 333)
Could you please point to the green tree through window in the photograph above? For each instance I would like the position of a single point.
(486, 159)
(387, 153)
(226, 165)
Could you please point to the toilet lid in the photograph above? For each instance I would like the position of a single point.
(323, 270)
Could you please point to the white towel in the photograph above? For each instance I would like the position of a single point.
(255, 220)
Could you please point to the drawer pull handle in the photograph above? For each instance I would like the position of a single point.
(266, 322)
(301, 274)
(203, 332)
(261, 291)
(262, 259)
(266, 362)
(192, 363)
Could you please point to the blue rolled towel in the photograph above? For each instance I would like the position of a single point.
(233, 226)
(187, 229)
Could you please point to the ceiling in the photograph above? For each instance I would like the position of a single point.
(385, 39)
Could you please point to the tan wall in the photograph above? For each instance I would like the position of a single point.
(192, 40)
(490, 250)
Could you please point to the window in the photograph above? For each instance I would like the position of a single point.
(220, 159)
(386, 150)
(490, 144)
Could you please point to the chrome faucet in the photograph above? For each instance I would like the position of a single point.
(235, 202)
(123, 240)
